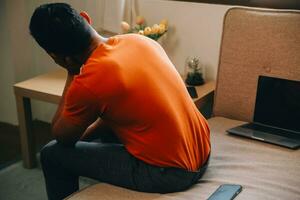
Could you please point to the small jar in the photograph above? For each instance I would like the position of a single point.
(194, 71)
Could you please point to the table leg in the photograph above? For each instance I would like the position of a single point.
(205, 105)
(26, 133)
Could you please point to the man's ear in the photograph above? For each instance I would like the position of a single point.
(86, 17)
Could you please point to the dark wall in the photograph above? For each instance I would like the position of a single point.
(280, 4)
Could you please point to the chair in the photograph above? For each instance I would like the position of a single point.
(254, 42)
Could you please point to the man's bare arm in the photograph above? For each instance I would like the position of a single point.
(62, 101)
(92, 129)
(63, 131)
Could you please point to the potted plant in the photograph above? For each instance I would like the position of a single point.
(194, 75)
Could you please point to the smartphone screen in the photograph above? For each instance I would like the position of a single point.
(226, 192)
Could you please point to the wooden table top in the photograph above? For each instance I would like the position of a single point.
(46, 87)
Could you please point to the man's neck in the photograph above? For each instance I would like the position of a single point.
(96, 41)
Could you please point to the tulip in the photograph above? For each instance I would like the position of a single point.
(165, 22)
(155, 29)
(140, 20)
(141, 32)
(162, 28)
(125, 27)
(147, 30)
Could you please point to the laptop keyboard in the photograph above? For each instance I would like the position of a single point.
(275, 131)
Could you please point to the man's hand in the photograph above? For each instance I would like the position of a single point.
(92, 129)
(65, 132)
(67, 62)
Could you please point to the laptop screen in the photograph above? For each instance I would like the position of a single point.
(278, 103)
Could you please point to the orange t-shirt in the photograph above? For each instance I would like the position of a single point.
(132, 85)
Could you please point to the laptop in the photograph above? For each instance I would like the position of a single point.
(276, 115)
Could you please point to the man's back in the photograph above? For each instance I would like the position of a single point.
(140, 95)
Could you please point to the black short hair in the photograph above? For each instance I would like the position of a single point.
(59, 29)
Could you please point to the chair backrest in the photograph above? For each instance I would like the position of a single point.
(254, 42)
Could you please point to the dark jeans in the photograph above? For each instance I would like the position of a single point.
(109, 163)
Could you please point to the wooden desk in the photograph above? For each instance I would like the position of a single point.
(49, 87)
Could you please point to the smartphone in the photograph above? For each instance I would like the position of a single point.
(226, 192)
(192, 91)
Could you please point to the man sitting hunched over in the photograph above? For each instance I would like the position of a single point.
(124, 89)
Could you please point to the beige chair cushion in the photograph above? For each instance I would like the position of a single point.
(266, 171)
(254, 42)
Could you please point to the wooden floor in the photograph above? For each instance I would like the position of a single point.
(10, 141)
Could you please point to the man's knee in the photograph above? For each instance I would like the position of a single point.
(48, 152)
